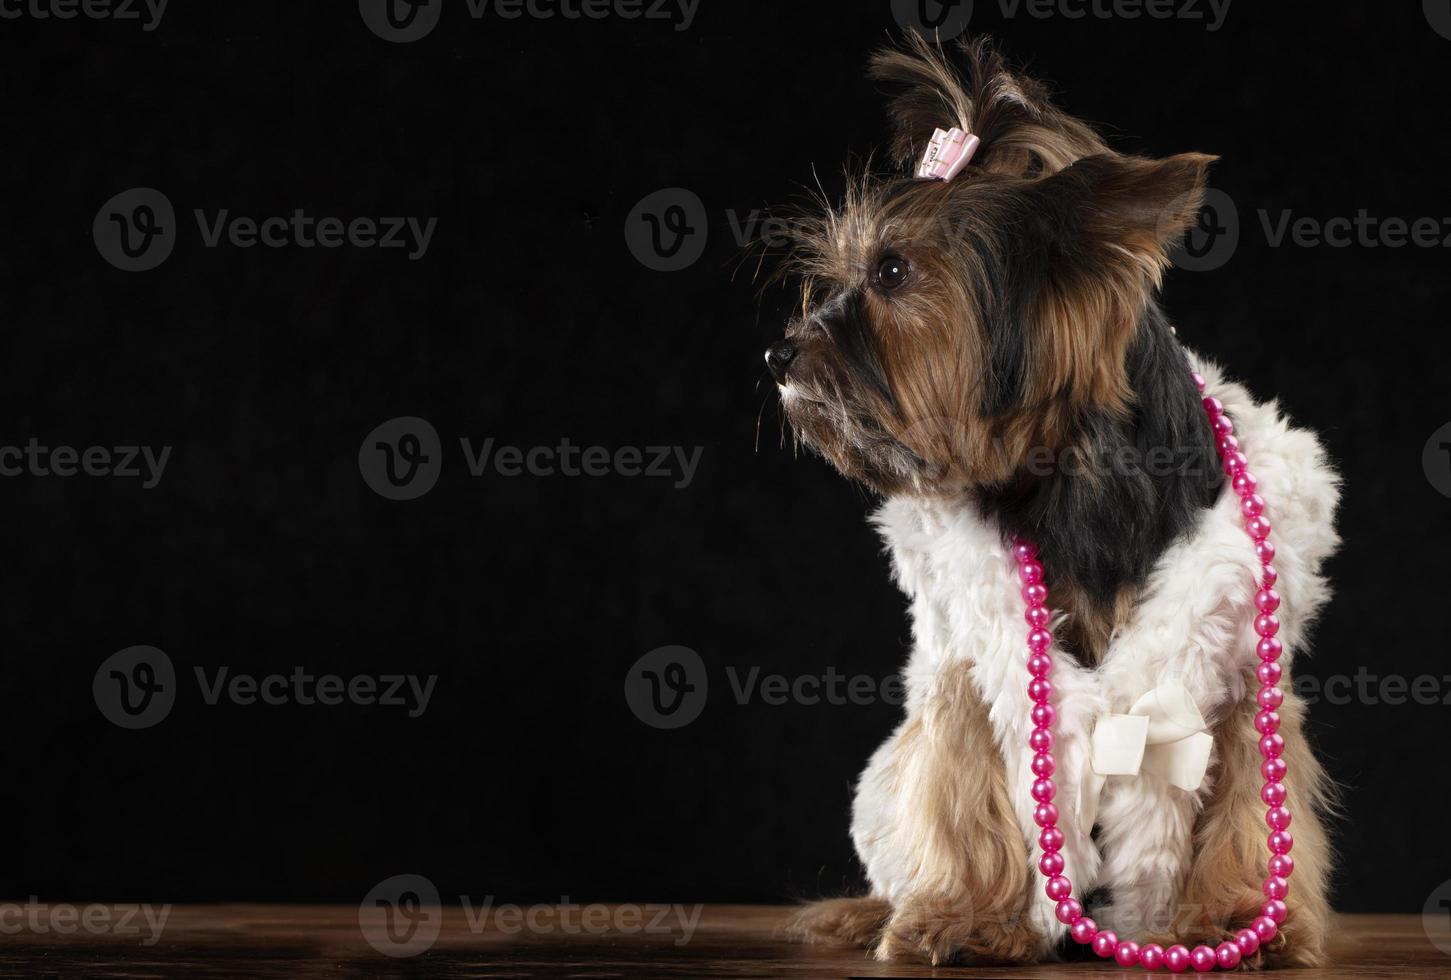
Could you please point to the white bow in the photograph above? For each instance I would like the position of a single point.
(1163, 734)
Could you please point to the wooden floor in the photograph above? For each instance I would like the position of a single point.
(615, 941)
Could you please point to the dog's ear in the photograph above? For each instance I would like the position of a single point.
(1121, 206)
(1023, 134)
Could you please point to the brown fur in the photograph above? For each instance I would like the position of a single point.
(974, 885)
(1222, 892)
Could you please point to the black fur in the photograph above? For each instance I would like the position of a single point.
(1106, 528)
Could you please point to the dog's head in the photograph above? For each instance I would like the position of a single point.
(947, 328)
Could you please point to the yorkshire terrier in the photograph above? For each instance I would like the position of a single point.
(981, 344)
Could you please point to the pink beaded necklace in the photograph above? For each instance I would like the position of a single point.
(1084, 930)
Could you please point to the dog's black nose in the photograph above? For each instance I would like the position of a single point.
(778, 357)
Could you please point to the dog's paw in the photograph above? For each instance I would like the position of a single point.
(841, 921)
(942, 932)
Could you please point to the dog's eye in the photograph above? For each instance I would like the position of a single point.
(893, 271)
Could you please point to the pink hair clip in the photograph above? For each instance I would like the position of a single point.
(947, 154)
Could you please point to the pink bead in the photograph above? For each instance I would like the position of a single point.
(1247, 941)
(1278, 818)
(1267, 624)
(1267, 600)
(1282, 865)
(1252, 505)
(1281, 842)
(1083, 930)
(1265, 928)
(1045, 815)
(1202, 958)
(1246, 483)
(1259, 528)
(1265, 552)
(1040, 690)
(1043, 765)
(1213, 407)
(1039, 640)
(1269, 673)
(1227, 955)
(1041, 740)
(1051, 839)
(1269, 576)
(1051, 864)
(1269, 648)
(1038, 616)
(1040, 665)
(1235, 463)
(1127, 954)
(1272, 746)
(1267, 722)
(1043, 714)
(1035, 594)
(1031, 572)
(1223, 425)
(1024, 551)
(1277, 888)
(1044, 790)
(1058, 888)
(1176, 958)
(1069, 912)
(1105, 944)
(1227, 445)
(1198, 380)
(1273, 770)
(1273, 794)
(1270, 697)
(1275, 910)
(1151, 957)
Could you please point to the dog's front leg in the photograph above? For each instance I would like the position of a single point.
(968, 887)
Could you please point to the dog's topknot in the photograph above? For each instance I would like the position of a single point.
(1023, 134)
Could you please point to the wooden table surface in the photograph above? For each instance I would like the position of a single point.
(598, 941)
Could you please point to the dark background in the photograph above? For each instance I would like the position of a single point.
(529, 320)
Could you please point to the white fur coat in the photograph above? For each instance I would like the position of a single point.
(1194, 626)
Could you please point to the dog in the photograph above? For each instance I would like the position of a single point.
(980, 344)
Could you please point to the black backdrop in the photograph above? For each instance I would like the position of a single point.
(263, 549)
